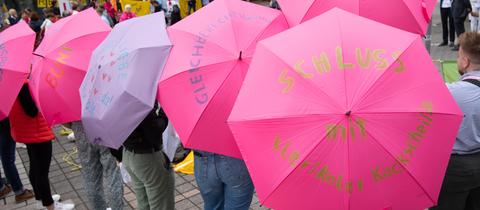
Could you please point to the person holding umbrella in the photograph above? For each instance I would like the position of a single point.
(98, 164)
(461, 185)
(149, 168)
(28, 126)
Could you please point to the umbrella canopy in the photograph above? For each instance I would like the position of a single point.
(61, 62)
(121, 84)
(16, 46)
(409, 15)
(211, 54)
(345, 122)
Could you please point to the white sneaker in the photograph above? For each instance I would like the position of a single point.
(56, 197)
(39, 205)
(71, 136)
(64, 206)
(109, 208)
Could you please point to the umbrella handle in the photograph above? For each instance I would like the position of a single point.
(424, 11)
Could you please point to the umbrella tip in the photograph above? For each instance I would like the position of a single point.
(348, 113)
(240, 56)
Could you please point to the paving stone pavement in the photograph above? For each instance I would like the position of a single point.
(66, 178)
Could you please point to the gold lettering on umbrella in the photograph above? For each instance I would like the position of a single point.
(58, 71)
(414, 140)
(317, 170)
(365, 59)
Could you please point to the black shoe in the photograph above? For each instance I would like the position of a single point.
(451, 44)
(456, 48)
(442, 44)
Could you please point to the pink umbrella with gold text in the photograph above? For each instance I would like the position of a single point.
(345, 122)
(61, 62)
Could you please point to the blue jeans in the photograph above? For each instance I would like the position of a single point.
(7, 154)
(224, 182)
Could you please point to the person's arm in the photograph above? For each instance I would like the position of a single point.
(26, 101)
(153, 125)
(117, 153)
(468, 6)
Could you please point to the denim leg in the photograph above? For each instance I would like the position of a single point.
(7, 153)
(238, 185)
(211, 187)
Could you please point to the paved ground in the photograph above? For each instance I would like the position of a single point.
(66, 177)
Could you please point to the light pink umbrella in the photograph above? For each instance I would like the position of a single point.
(409, 15)
(211, 53)
(345, 122)
(61, 63)
(16, 46)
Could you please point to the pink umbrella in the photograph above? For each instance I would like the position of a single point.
(61, 63)
(345, 122)
(409, 15)
(16, 46)
(212, 49)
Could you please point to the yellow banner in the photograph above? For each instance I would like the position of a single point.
(183, 4)
(44, 3)
(140, 8)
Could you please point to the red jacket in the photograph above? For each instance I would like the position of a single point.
(26, 129)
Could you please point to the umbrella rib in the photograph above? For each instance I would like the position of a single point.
(231, 25)
(207, 40)
(296, 167)
(5, 41)
(393, 96)
(284, 117)
(370, 89)
(404, 112)
(256, 40)
(306, 12)
(414, 17)
(74, 38)
(344, 70)
(401, 164)
(208, 105)
(200, 66)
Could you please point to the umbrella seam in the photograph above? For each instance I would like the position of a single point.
(281, 118)
(206, 107)
(48, 52)
(395, 95)
(257, 38)
(401, 164)
(226, 7)
(415, 17)
(163, 80)
(306, 12)
(374, 84)
(298, 74)
(207, 40)
(296, 167)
